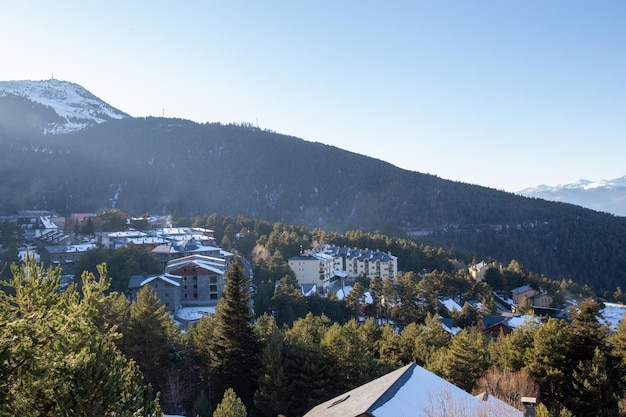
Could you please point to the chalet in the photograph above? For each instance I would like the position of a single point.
(479, 270)
(409, 391)
(495, 325)
(34, 223)
(537, 298)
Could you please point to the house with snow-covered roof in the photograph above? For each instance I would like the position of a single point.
(478, 271)
(179, 249)
(201, 279)
(191, 281)
(165, 286)
(537, 298)
(65, 256)
(412, 391)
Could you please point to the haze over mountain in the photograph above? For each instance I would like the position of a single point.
(179, 167)
(607, 195)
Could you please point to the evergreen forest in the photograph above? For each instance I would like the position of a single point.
(88, 350)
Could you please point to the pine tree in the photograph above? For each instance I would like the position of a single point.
(598, 386)
(150, 337)
(234, 345)
(309, 366)
(376, 291)
(355, 362)
(389, 299)
(542, 411)
(356, 298)
(467, 358)
(55, 359)
(288, 302)
(231, 406)
(273, 397)
(202, 406)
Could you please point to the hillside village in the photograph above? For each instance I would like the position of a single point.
(193, 269)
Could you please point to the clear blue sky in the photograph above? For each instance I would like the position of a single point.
(505, 94)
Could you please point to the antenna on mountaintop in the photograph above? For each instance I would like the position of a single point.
(163, 112)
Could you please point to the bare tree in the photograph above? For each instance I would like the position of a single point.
(443, 403)
(508, 386)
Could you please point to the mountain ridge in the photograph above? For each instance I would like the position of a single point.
(188, 169)
(75, 106)
(605, 195)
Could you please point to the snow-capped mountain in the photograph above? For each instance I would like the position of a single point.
(607, 195)
(75, 107)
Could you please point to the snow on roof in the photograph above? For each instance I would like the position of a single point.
(448, 325)
(170, 279)
(517, 321)
(451, 305)
(342, 292)
(426, 392)
(521, 289)
(48, 224)
(411, 390)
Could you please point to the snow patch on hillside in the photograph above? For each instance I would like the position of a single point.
(74, 104)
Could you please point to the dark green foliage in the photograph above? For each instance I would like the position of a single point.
(231, 406)
(55, 359)
(288, 304)
(273, 396)
(354, 358)
(10, 240)
(202, 406)
(141, 165)
(467, 358)
(121, 264)
(233, 347)
(150, 339)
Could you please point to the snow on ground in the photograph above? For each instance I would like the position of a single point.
(77, 106)
(343, 292)
(194, 313)
(612, 314)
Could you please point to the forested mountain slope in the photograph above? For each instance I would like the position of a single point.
(160, 165)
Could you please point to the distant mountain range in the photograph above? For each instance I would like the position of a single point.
(65, 150)
(608, 196)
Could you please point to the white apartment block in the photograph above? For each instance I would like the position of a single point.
(313, 268)
(329, 263)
